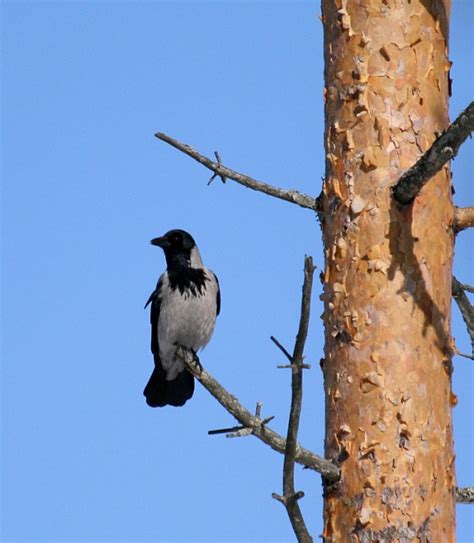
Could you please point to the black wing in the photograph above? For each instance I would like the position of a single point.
(218, 297)
(155, 302)
(158, 391)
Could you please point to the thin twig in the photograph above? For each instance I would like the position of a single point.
(303, 456)
(292, 366)
(463, 218)
(218, 168)
(467, 288)
(464, 355)
(457, 352)
(465, 495)
(282, 349)
(225, 430)
(290, 496)
(232, 432)
(243, 431)
(305, 310)
(466, 308)
(215, 174)
(445, 147)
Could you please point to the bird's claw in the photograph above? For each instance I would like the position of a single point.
(196, 362)
(190, 358)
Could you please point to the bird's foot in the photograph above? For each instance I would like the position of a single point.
(196, 362)
(190, 358)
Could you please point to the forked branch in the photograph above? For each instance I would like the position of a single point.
(445, 147)
(303, 456)
(223, 172)
(290, 496)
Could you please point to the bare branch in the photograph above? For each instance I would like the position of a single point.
(219, 169)
(215, 174)
(238, 431)
(445, 147)
(463, 218)
(226, 430)
(467, 288)
(303, 456)
(244, 431)
(465, 495)
(466, 308)
(296, 496)
(282, 349)
(464, 355)
(292, 366)
(290, 496)
(305, 310)
(241, 433)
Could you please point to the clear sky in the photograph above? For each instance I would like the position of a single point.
(86, 186)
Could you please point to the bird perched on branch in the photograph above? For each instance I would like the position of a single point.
(184, 307)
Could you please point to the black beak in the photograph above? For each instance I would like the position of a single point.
(162, 242)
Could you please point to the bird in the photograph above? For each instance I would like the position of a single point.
(183, 311)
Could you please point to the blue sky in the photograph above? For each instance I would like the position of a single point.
(86, 186)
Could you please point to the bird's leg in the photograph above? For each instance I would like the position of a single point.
(190, 358)
(196, 362)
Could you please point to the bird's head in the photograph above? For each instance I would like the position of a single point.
(180, 249)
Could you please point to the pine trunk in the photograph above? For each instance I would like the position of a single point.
(387, 298)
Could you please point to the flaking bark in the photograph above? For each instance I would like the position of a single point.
(387, 274)
(445, 147)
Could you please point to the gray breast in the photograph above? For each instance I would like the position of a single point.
(185, 319)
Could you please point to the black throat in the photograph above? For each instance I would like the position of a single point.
(182, 276)
(177, 260)
(188, 280)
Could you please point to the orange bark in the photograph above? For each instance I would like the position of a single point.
(387, 275)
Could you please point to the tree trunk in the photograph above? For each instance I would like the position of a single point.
(387, 276)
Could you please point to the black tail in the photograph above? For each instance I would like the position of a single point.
(160, 392)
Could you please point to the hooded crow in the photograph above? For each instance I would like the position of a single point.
(183, 311)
